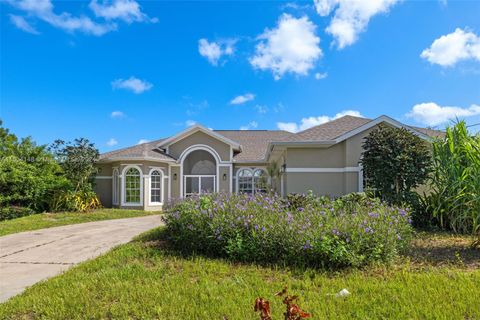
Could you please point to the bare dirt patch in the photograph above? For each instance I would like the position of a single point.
(444, 249)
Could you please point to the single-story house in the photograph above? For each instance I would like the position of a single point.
(324, 159)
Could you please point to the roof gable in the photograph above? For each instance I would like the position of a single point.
(381, 119)
(196, 128)
(336, 131)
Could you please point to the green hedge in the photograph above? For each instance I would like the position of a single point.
(8, 213)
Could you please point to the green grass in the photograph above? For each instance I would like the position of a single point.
(48, 220)
(144, 280)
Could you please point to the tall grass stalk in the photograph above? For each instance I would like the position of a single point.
(455, 200)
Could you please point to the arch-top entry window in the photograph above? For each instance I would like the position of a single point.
(132, 186)
(156, 187)
(252, 181)
(199, 173)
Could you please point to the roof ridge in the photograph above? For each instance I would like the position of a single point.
(332, 121)
(130, 147)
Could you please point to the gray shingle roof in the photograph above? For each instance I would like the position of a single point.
(329, 130)
(254, 142)
(430, 132)
(144, 150)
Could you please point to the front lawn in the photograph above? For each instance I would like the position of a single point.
(146, 280)
(48, 220)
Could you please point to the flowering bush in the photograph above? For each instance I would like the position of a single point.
(267, 229)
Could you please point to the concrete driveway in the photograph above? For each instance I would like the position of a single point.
(29, 257)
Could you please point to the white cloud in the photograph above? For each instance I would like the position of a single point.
(309, 122)
(22, 24)
(320, 76)
(190, 123)
(214, 51)
(287, 126)
(453, 47)
(292, 47)
(243, 98)
(43, 10)
(249, 126)
(261, 109)
(117, 114)
(126, 10)
(432, 114)
(112, 142)
(351, 17)
(141, 141)
(133, 84)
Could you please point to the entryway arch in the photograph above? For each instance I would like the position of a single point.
(199, 170)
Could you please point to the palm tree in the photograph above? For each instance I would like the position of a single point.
(273, 170)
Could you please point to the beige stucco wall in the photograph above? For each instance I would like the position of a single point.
(199, 137)
(331, 157)
(103, 189)
(103, 186)
(325, 184)
(175, 183)
(224, 185)
(353, 148)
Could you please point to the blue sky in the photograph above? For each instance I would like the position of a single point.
(118, 72)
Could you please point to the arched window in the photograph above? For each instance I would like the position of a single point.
(245, 181)
(133, 186)
(115, 187)
(252, 181)
(259, 181)
(156, 178)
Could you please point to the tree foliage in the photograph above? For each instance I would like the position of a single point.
(28, 173)
(395, 162)
(32, 177)
(77, 159)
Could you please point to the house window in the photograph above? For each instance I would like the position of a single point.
(252, 181)
(259, 181)
(133, 186)
(115, 187)
(245, 181)
(156, 178)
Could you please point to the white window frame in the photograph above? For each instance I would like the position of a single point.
(115, 188)
(252, 171)
(199, 176)
(162, 186)
(124, 181)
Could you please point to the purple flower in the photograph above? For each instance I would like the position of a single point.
(307, 246)
(373, 214)
(368, 230)
(336, 232)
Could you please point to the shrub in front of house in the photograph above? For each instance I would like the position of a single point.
(350, 231)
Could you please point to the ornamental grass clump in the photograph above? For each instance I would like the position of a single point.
(267, 229)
